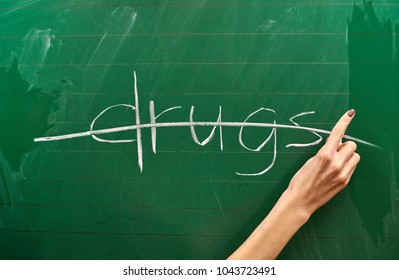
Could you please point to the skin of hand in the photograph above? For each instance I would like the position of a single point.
(319, 180)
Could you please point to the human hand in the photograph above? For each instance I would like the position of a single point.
(319, 180)
(327, 173)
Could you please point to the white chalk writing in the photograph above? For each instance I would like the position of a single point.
(153, 125)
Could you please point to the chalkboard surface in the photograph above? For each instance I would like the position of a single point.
(168, 129)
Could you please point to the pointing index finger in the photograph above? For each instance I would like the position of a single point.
(339, 130)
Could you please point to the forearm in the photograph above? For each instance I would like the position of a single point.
(270, 237)
(319, 180)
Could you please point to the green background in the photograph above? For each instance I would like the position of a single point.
(63, 62)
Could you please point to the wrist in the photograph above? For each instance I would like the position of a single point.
(293, 209)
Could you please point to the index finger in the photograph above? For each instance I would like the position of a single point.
(339, 130)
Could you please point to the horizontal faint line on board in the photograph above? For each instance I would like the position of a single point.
(173, 234)
(166, 180)
(195, 34)
(233, 209)
(113, 233)
(108, 94)
(118, 151)
(138, 207)
(192, 63)
(183, 4)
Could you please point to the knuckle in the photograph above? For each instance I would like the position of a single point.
(342, 179)
(352, 145)
(324, 157)
(336, 167)
(346, 182)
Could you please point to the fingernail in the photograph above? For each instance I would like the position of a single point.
(351, 113)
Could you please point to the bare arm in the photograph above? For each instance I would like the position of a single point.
(319, 180)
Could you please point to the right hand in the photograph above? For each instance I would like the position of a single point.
(328, 172)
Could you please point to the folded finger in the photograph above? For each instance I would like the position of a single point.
(350, 166)
(347, 149)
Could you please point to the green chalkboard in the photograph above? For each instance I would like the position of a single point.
(167, 129)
